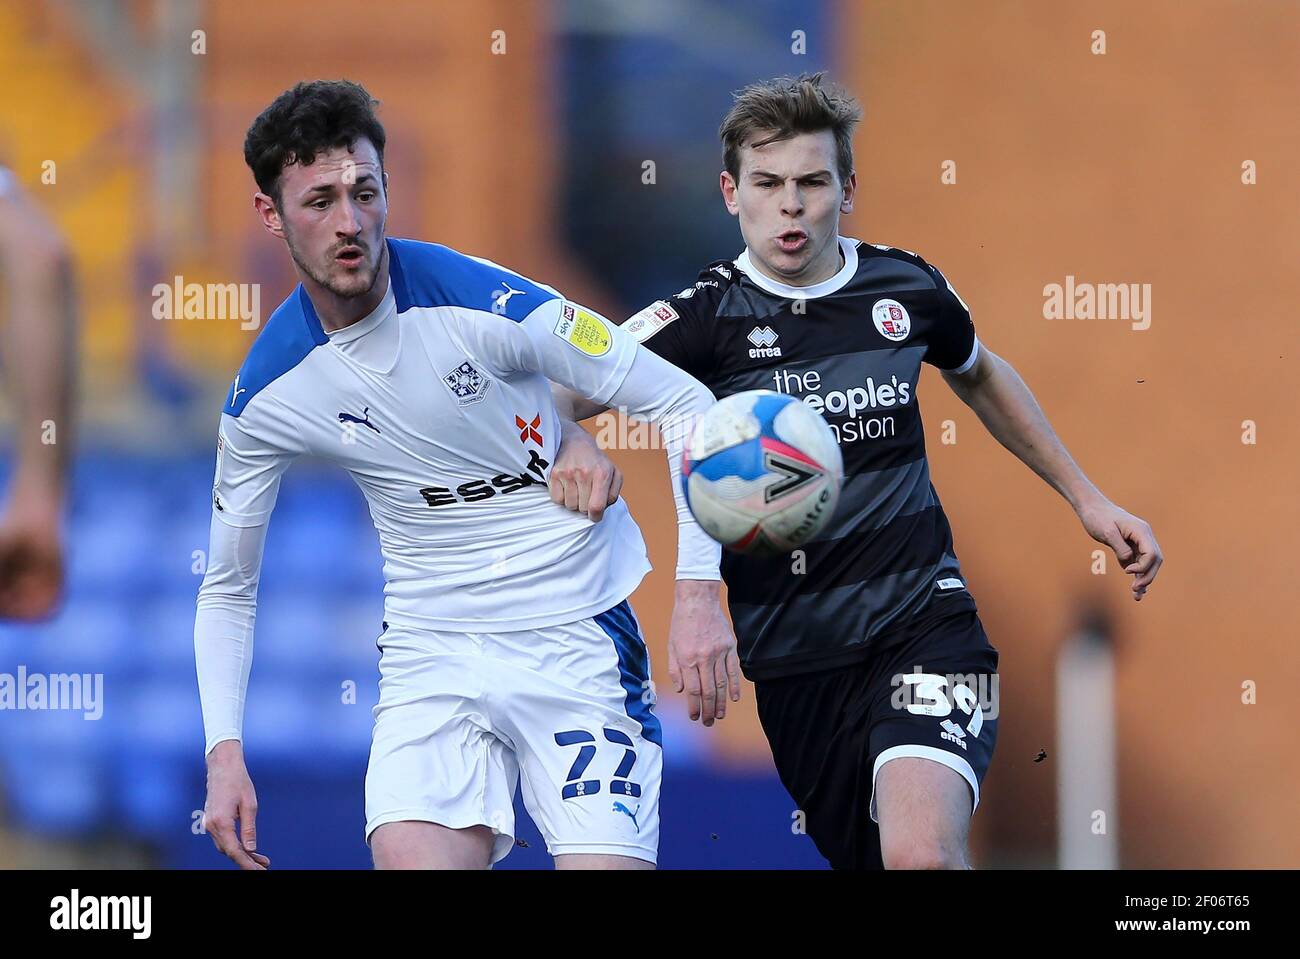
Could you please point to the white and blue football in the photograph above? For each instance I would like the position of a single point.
(762, 472)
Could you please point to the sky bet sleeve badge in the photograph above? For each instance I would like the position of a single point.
(584, 332)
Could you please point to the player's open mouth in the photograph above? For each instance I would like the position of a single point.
(352, 256)
(792, 241)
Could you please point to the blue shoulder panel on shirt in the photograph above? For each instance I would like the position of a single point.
(427, 274)
(290, 334)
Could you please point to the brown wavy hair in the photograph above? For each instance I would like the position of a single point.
(782, 107)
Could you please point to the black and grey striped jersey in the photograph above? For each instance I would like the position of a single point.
(852, 348)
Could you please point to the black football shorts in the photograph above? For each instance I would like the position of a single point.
(929, 691)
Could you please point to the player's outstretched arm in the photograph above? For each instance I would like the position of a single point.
(702, 658)
(41, 311)
(223, 655)
(603, 364)
(251, 458)
(1004, 404)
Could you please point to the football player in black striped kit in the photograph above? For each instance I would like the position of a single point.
(871, 670)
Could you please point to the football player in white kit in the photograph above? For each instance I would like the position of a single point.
(509, 651)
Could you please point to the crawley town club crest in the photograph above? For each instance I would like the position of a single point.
(467, 383)
(891, 320)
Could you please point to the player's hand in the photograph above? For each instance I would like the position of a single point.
(1131, 538)
(31, 557)
(583, 478)
(231, 798)
(702, 657)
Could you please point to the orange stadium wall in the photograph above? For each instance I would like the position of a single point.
(1122, 167)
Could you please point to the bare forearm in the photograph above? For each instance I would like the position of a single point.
(1004, 404)
(226, 751)
(1009, 411)
(699, 591)
(41, 314)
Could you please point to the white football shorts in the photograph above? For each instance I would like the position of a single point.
(463, 717)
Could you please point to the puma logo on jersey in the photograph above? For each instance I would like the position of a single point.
(364, 419)
(503, 297)
(534, 474)
(619, 807)
(234, 399)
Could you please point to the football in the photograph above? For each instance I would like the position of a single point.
(762, 472)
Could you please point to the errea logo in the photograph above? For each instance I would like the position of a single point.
(953, 733)
(763, 338)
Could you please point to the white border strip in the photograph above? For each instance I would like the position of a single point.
(848, 246)
(956, 763)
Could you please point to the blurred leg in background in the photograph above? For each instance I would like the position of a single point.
(40, 314)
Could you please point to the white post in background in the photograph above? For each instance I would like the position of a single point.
(1087, 820)
(174, 92)
(160, 65)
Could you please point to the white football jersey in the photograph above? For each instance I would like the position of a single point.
(448, 436)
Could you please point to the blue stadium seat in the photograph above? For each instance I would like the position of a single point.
(53, 792)
(156, 799)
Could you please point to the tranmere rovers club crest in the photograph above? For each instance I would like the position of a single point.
(467, 383)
